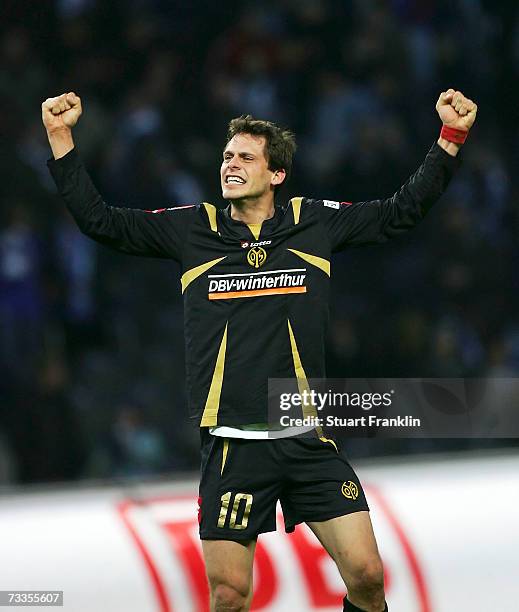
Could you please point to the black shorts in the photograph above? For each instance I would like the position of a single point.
(242, 479)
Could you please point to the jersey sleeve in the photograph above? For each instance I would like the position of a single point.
(376, 221)
(158, 233)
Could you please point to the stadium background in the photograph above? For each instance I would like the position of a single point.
(91, 341)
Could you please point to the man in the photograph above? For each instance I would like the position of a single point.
(255, 279)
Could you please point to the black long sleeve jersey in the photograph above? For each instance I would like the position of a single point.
(255, 298)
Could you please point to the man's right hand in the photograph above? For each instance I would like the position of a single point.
(61, 112)
(60, 115)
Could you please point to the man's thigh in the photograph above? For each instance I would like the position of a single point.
(229, 563)
(350, 541)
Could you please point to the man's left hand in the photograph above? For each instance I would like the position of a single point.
(455, 110)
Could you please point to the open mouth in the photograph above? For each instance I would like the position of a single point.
(232, 179)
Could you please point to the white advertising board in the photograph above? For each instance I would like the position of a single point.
(448, 532)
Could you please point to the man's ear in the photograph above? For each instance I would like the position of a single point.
(278, 177)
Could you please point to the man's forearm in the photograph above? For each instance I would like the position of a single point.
(451, 147)
(61, 142)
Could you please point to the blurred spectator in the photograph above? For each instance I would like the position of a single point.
(21, 299)
(133, 447)
(22, 66)
(45, 432)
(76, 264)
(8, 466)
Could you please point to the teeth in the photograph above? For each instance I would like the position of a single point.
(235, 179)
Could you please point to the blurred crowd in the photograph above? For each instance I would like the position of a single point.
(91, 341)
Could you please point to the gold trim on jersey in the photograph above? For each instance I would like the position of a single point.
(212, 404)
(190, 275)
(211, 213)
(225, 450)
(296, 208)
(318, 262)
(255, 229)
(323, 439)
(302, 383)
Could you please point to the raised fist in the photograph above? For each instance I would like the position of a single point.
(61, 112)
(455, 110)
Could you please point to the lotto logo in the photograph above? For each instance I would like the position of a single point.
(245, 243)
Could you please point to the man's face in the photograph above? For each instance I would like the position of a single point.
(244, 172)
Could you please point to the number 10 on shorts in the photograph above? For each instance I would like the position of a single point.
(224, 510)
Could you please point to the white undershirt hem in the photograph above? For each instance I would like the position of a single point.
(258, 434)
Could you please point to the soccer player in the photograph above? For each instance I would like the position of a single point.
(255, 281)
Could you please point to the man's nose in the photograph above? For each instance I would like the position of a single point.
(234, 163)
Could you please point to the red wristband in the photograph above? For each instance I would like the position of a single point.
(454, 135)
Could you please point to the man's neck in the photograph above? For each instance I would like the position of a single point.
(253, 211)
